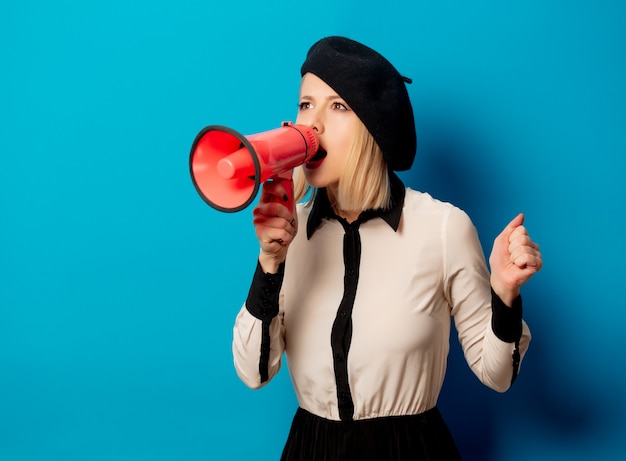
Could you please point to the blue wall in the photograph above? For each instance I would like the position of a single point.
(119, 286)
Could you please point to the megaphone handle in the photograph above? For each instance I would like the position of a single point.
(285, 178)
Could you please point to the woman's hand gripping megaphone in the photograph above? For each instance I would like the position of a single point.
(275, 221)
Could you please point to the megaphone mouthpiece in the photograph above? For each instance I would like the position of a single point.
(310, 138)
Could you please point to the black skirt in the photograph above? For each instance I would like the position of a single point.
(395, 438)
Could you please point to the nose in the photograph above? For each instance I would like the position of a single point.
(316, 128)
(312, 119)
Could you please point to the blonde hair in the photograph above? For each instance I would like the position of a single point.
(364, 183)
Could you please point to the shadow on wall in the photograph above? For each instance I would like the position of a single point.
(451, 164)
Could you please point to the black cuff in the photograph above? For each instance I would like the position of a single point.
(506, 322)
(262, 299)
(262, 303)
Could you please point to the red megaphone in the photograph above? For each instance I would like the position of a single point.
(227, 168)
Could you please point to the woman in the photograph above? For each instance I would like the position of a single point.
(361, 300)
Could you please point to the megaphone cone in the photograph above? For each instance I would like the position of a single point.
(228, 168)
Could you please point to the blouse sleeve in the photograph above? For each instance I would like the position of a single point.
(494, 338)
(258, 335)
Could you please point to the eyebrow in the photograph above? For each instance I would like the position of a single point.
(328, 98)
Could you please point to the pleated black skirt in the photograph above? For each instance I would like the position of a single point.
(396, 438)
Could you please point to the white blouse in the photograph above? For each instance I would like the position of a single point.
(409, 284)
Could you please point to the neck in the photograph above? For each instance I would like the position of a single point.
(348, 215)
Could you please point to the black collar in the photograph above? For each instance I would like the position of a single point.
(322, 208)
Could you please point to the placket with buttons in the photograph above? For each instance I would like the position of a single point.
(341, 334)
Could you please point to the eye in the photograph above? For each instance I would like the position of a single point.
(304, 105)
(339, 106)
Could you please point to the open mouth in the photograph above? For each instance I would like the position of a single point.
(317, 159)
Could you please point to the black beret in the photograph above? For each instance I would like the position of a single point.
(373, 89)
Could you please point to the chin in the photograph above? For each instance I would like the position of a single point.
(315, 179)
